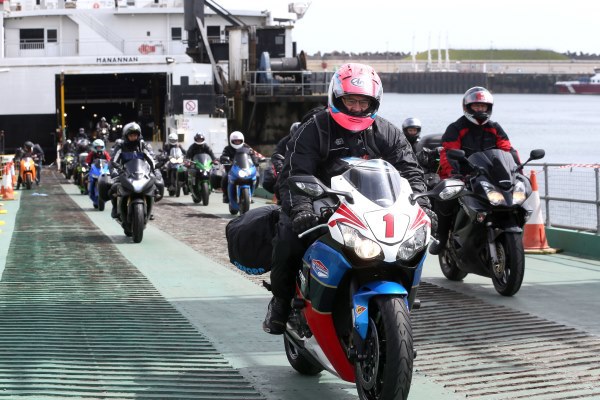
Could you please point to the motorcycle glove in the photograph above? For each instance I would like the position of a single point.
(434, 220)
(304, 220)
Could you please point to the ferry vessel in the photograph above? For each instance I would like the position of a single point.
(171, 65)
(590, 85)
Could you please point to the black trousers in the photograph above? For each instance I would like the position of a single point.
(288, 250)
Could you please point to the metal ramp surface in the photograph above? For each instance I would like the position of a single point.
(79, 321)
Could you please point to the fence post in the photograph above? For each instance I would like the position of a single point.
(597, 176)
(547, 193)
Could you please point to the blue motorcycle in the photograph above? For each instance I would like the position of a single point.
(241, 182)
(99, 167)
(351, 311)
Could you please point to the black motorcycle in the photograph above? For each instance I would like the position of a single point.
(487, 231)
(135, 197)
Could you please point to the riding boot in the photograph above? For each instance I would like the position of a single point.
(114, 213)
(443, 231)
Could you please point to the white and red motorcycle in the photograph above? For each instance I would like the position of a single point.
(351, 311)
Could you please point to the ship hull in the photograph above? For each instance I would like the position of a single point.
(578, 88)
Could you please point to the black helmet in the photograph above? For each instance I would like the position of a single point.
(294, 127)
(199, 138)
(28, 145)
(481, 95)
(411, 123)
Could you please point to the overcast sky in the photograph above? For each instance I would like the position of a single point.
(404, 25)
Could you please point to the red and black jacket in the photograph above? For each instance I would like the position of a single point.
(471, 138)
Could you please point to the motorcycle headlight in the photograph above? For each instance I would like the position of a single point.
(494, 197)
(412, 246)
(243, 173)
(363, 247)
(519, 193)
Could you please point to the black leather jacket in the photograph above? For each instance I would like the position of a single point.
(303, 156)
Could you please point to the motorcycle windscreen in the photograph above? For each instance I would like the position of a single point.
(175, 152)
(202, 158)
(377, 180)
(137, 166)
(499, 165)
(242, 159)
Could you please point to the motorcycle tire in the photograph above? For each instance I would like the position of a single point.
(386, 372)
(511, 258)
(177, 191)
(137, 222)
(244, 200)
(298, 361)
(101, 204)
(28, 182)
(196, 197)
(186, 190)
(205, 191)
(449, 267)
(171, 193)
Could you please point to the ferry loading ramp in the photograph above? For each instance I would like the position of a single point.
(86, 313)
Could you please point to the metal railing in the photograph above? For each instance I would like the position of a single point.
(286, 83)
(569, 195)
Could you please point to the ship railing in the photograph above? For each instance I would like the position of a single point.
(74, 48)
(569, 195)
(286, 83)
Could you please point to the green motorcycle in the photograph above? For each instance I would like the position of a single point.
(199, 178)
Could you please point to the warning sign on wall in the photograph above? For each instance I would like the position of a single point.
(190, 107)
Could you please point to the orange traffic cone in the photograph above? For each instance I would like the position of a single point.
(534, 233)
(7, 189)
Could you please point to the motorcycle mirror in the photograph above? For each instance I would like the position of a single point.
(445, 190)
(537, 154)
(312, 187)
(455, 154)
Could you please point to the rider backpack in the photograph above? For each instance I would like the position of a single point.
(249, 239)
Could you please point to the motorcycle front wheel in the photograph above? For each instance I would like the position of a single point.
(449, 267)
(386, 371)
(28, 182)
(508, 275)
(137, 222)
(244, 200)
(298, 361)
(205, 191)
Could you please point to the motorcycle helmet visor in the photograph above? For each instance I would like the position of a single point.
(237, 141)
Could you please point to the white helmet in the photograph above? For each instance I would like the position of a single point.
(238, 138)
(98, 145)
(173, 138)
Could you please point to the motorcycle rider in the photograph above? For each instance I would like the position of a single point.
(200, 147)
(67, 147)
(472, 132)
(81, 134)
(236, 142)
(102, 124)
(98, 152)
(412, 130)
(354, 130)
(35, 151)
(172, 142)
(132, 147)
(270, 177)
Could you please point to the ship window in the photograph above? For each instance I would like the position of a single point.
(31, 39)
(176, 34)
(52, 35)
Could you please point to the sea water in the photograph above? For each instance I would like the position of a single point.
(566, 126)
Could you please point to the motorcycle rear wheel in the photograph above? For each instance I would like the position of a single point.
(511, 257)
(386, 372)
(298, 361)
(137, 222)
